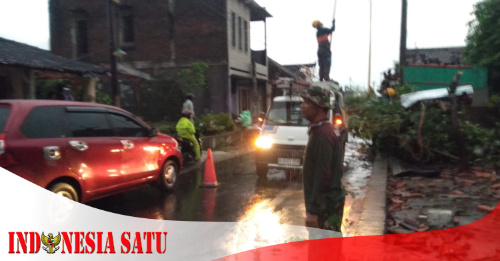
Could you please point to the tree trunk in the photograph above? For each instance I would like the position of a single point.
(455, 129)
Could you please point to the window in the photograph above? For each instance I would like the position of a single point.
(245, 31)
(240, 46)
(127, 29)
(4, 115)
(233, 29)
(5, 87)
(44, 122)
(127, 36)
(81, 37)
(88, 124)
(124, 126)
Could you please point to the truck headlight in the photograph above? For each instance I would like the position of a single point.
(264, 142)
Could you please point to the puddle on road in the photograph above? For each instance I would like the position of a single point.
(356, 177)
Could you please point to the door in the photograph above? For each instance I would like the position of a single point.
(93, 151)
(140, 153)
(39, 150)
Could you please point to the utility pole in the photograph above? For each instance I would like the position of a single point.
(402, 44)
(370, 54)
(115, 87)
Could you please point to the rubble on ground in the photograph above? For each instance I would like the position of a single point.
(451, 198)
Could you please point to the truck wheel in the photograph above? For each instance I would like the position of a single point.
(262, 171)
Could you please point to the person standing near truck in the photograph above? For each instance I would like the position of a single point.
(324, 192)
(324, 52)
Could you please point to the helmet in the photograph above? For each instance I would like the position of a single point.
(391, 92)
(316, 24)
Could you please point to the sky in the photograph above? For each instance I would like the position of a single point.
(291, 39)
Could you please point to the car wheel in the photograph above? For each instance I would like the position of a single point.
(262, 171)
(65, 190)
(168, 175)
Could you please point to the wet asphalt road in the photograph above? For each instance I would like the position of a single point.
(239, 196)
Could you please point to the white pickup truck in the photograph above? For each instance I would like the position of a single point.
(283, 138)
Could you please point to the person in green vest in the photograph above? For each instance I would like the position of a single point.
(185, 129)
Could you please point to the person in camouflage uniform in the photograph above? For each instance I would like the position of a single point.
(324, 193)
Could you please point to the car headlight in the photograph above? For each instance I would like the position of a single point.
(264, 142)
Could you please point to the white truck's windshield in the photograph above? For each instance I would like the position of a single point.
(286, 114)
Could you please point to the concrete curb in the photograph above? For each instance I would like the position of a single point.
(373, 215)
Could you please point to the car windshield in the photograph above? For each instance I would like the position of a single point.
(286, 113)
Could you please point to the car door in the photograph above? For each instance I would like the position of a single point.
(95, 154)
(39, 145)
(140, 154)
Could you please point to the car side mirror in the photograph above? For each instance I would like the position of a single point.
(153, 132)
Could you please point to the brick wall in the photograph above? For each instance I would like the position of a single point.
(151, 29)
(199, 30)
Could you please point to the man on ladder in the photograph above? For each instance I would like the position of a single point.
(324, 52)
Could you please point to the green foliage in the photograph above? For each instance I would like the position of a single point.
(494, 103)
(483, 144)
(47, 88)
(375, 120)
(162, 98)
(405, 89)
(190, 80)
(395, 130)
(103, 97)
(214, 123)
(166, 127)
(355, 91)
(483, 39)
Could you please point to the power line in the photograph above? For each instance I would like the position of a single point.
(220, 12)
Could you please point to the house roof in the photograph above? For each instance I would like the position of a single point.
(13, 53)
(280, 68)
(257, 13)
(435, 56)
(297, 67)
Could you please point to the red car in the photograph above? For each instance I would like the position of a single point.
(84, 151)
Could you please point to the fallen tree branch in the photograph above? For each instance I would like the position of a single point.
(444, 153)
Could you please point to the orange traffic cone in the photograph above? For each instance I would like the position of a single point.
(209, 179)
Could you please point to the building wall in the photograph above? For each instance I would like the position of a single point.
(12, 82)
(169, 36)
(426, 77)
(240, 60)
(151, 30)
(432, 77)
(200, 31)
